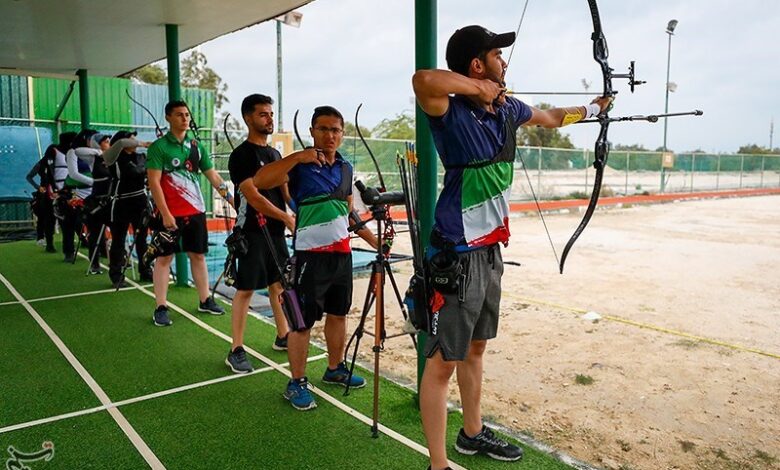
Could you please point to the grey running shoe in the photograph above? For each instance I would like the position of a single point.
(209, 306)
(238, 362)
(280, 344)
(486, 442)
(161, 316)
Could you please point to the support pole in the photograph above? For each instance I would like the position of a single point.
(425, 58)
(174, 93)
(84, 97)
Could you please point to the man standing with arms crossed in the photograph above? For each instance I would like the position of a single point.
(473, 124)
(172, 166)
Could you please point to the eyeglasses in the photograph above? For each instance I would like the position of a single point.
(333, 130)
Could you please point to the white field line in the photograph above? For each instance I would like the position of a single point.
(163, 393)
(126, 427)
(278, 367)
(67, 296)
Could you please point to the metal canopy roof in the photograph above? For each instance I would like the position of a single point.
(110, 38)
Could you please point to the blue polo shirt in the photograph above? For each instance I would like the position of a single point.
(321, 224)
(472, 210)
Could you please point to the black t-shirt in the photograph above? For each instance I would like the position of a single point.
(244, 162)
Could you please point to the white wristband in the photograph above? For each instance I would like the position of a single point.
(592, 110)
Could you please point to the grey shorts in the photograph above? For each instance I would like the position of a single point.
(458, 323)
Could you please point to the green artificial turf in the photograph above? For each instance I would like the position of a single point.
(5, 294)
(115, 339)
(93, 441)
(36, 380)
(242, 423)
(35, 273)
(247, 424)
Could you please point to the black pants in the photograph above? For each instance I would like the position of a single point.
(73, 224)
(44, 211)
(126, 213)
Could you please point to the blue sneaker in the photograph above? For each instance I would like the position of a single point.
(298, 394)
(161, 316)
(340, 376)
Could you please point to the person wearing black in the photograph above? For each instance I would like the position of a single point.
(42, 200)
(129, 204)
(257, 269)
(80, 158)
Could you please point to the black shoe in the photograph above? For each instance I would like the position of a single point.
(161, 316)
(238, 362)
(95, 270)
(120, 284)
(280, 344)
(209, 306)
(69, 258)
(487, 443)
(146, 276)
(51, 249)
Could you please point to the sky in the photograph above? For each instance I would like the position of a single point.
(725, 60)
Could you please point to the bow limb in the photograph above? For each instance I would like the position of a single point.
(382, 187)
(225, 130)
(295, 128)
(157, 130)
(600, 55)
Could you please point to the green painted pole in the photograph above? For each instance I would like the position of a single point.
(84, 97)
(425, 58)
(174, 93)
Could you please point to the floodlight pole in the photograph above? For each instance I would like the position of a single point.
(279, 114)
(670, 31)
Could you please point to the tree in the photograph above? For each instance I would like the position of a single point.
(400, 127)
(349, 130)
(196, 73)
(541, 137)
(754, 149)
(152, 73)
(630, 148)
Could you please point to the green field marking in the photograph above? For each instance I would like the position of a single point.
(93, 441)
(113, 336)
(247, 424)
(35, 273)
(37, 381)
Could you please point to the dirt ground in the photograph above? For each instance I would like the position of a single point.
(617, 394)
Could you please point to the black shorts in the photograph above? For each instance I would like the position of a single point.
(193, 234)
(323, 284)
(257, 270)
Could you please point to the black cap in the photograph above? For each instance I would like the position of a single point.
(469, 42)
(122, 135)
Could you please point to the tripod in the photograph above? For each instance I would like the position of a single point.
(380, 271)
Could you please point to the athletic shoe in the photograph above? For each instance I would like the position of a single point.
(280, 344)
(238, 362)
(340, 376)
(146, 276)
(161, 316)
(298, 394)
(69, 257)
(95, 270)
(120, 284)
(41, 242)
(209, 306)
(51, 249)
(486, 442)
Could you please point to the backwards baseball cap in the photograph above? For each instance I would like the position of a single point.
(122, 135)
(469, 42)
(99, 137)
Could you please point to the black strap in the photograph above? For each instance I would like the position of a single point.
(505, 154)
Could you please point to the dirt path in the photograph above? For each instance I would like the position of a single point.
(658, 399)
